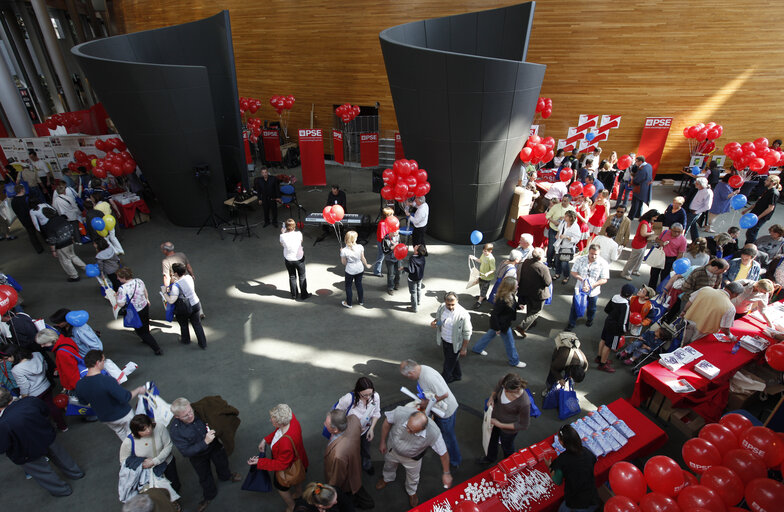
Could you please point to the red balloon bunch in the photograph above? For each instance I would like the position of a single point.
(254, 127)
(703, 132)
(624, 162)
(281, 103)
(333, 214)
(8, 298)
(756, 155)
(251, 105)
(68, 119)
(81, 159)
(404, 180)
(545, 107)
(537, 150)
(347, 112)
(118, 159)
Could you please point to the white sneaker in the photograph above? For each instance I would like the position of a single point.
(345, 305)
(520, 365)
(483, 353)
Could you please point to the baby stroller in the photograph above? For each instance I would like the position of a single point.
(675, 328)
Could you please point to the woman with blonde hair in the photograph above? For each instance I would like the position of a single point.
(501, 318)
(318, 497)
(353, 257)
(294, 257)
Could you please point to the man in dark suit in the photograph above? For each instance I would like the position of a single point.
(22, 210)
(268, 193)
(27, 438)
(533, 288)
(641, 187)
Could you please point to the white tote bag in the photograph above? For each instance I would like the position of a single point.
(487, 428)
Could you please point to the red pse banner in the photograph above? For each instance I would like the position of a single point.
(368, 149)
(271, 145)
(337, 146)
(311, 148)
(398, 147)
(246, 144)
(653, 139)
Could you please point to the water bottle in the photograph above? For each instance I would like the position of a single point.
(735, 347)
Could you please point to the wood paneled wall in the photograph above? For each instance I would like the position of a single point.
(696, 61)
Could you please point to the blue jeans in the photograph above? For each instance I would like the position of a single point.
(511, 350)
(413, 289)
(379, 260)
(636, 208)
(356, 279)
(551, 234)
(393, 274)
(590, 311)
(691, 225)
(623, 193)
(562, 268)
(447, 426)
(564, 508)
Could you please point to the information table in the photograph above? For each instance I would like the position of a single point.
(709, 397)
(534, 224)
(129, 210)
(533, 490)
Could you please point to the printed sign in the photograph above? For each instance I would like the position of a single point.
(337, 146)
(311, 148)
(368, 149)
(399, 153)
(653, 138)
(271, 141)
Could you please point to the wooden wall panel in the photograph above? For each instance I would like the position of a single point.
(696, 61)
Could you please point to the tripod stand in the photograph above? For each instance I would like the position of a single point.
(213, 220)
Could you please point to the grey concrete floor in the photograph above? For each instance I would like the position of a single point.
(265, 348)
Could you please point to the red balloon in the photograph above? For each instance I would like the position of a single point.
(548, 156)
(422, 189)
(664, 475)
(624, 162)
(689, 479)
(720, 436)
(116, 170)
(327, 213)
(620, 504)
(713, 134)
(525, 154)
(764, 443)
(764, 495)
(725, 482)
(73, 167)
(540, 105)
(466, 506)
(693, 131)
(589, 190)
(387, 192)
(9, 292)
(730, 146)
(736, 181)
(388, 176)
(534, 139)
(695, 496)
(539, 150)
(547, 112)
(411, 181)
(756, 164)
(700, 454)
(80, 155)
(761, 143)
(400, 251)
(99, 172)
(745, 464)
(403, 169)
(129, 166)
(627, 480)
(401, 189)
(337, 212)
(657, 502)
(549, 142)
(774, 355)
(61, 400)
(51, 124)
(576, 188)
(421, 176)
(772, 157)
(748, 147)
(737, 423)
(393, 224)
(566, 174)
(635, 319)
(686, 132)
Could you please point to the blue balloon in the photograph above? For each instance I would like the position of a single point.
(10, 190)
(748, 221)
(681, 266)
(476, 237)
(695, 170)
(77, 318)
(738, 202)
(98, 224)
(590, 136)
(92, 270)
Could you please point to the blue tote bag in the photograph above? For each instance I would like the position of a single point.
(568, 404)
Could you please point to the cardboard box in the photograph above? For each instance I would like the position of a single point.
(687, 421)
(509, 231)
(666, 409)
(140, 218)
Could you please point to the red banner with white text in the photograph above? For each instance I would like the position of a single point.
(246, 144)
(311, 149)
(337, 146)
(368, 149)
(653, 139)
(398, 147)
(271, 145)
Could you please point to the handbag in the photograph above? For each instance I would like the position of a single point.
(257, 480)
(534, 412)
(656, 257)
(473, 274)
(131, 318)
(487, 428)
(181, 306)
(293, 474)
(551, 398)
(565, 253)
(568, 404)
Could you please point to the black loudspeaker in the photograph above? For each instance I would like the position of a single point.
(378, 180)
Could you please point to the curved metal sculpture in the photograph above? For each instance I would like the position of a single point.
(464, 100)
(172, 94)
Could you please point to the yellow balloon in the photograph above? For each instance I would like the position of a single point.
(94, 161)
(110, 222)
(103, 232)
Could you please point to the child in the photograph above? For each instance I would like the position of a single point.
(416, 271)
(108, 261)
(641, 303)
(616, 324)
(486, 273)
(650, 340)
(599, 210)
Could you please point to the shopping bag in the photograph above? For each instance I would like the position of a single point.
(568, 404)
(153, 406)
(535, 412)
(487, 428)
(131, 318)
(655, 257)
(473, 274)
(551, 398)
(257, 480)
(549, 300)
(580, 302)
(169, 312)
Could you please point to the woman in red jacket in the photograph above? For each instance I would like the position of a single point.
(66, 356)
(286, 445)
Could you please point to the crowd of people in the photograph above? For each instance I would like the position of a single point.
(720, 281)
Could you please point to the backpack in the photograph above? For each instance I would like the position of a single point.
(389, 242)
(63, 235)
(567, 339)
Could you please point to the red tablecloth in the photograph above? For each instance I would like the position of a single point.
(534, 224)
(648, 439)
(128, 211)
(710, 396)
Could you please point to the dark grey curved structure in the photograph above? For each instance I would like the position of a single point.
(172, 93)
(464, 100)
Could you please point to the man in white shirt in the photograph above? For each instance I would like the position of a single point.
(419, 220)
(591, 272)
(609, 249)
(700, 203)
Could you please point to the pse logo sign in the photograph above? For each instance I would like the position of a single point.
(310, 133)
(337, 135)
(658, 122)
(269, 133)
(368, 137)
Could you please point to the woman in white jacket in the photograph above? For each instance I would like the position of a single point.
(29, 371)
(64, 201)
(566, 240)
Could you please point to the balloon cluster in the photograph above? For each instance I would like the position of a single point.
(404, 180)
(347, 112)
(103, 226)
(732, 458)
(333, 213)
(756, 155)
(81, 159)
(537, 150)
(8, 298)
(281, 103)
(577, 188)
(249, 104)
(68, 119)
(703, 132)
(545, 107)
(254, 127)
(118, 160)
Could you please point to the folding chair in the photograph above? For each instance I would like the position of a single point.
(288, 199)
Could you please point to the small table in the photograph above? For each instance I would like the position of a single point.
(241, 207)
(128, 211)
(535, 224)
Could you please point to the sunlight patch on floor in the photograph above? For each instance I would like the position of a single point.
(318, 357)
